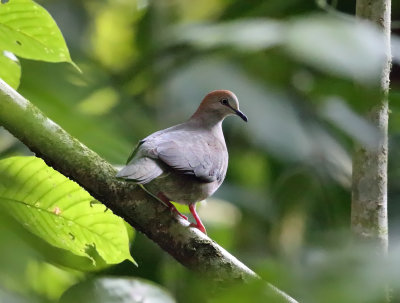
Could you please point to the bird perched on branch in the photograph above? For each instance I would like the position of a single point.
(186, 163)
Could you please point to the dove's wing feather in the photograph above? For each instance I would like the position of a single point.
(143, 165)
(193, 155)
(141, 170)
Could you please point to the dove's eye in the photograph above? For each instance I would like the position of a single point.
(224, 101)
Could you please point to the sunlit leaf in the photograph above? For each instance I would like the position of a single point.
(117, 290)
(99, 102)
(28, 31)
(60, 212)
(113, 35)
(10, 69)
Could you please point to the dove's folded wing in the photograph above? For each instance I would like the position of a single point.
(193, 155)
(179, 151)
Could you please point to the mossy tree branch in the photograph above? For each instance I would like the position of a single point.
(66, 154)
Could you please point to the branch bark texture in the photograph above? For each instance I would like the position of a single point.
(369, 189)
(64, 153)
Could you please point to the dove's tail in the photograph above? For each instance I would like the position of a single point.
(141, 171)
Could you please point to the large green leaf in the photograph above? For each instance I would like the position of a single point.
(28, 31)
(58, 211)
(10, 69)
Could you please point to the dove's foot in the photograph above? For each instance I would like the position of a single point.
(171, 206)
(199, 227)
(198, 224)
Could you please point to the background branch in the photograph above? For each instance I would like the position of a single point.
(369, 190)
(64, 153)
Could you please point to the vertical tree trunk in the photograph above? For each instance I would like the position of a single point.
(369, 189)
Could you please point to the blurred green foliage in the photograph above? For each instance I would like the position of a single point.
(304, 75)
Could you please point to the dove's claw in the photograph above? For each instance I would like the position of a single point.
(171, 206)
(201, 227)
(179, 214)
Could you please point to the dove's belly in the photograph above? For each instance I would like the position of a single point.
(183, 189)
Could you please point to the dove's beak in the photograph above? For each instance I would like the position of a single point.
(238, 113)
(241, 115)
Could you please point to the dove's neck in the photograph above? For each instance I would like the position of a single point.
(208, 117)
(207, 121)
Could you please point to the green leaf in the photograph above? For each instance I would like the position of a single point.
(10, 69)
(28, 31)
(117, 290)
(58, 211)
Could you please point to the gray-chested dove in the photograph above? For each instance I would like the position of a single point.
(186, 163)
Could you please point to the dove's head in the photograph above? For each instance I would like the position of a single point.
(219, 104)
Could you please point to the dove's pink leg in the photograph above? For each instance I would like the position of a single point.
(171, 206)
(198, 224)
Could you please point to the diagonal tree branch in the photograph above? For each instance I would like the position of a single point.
(58, 149)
